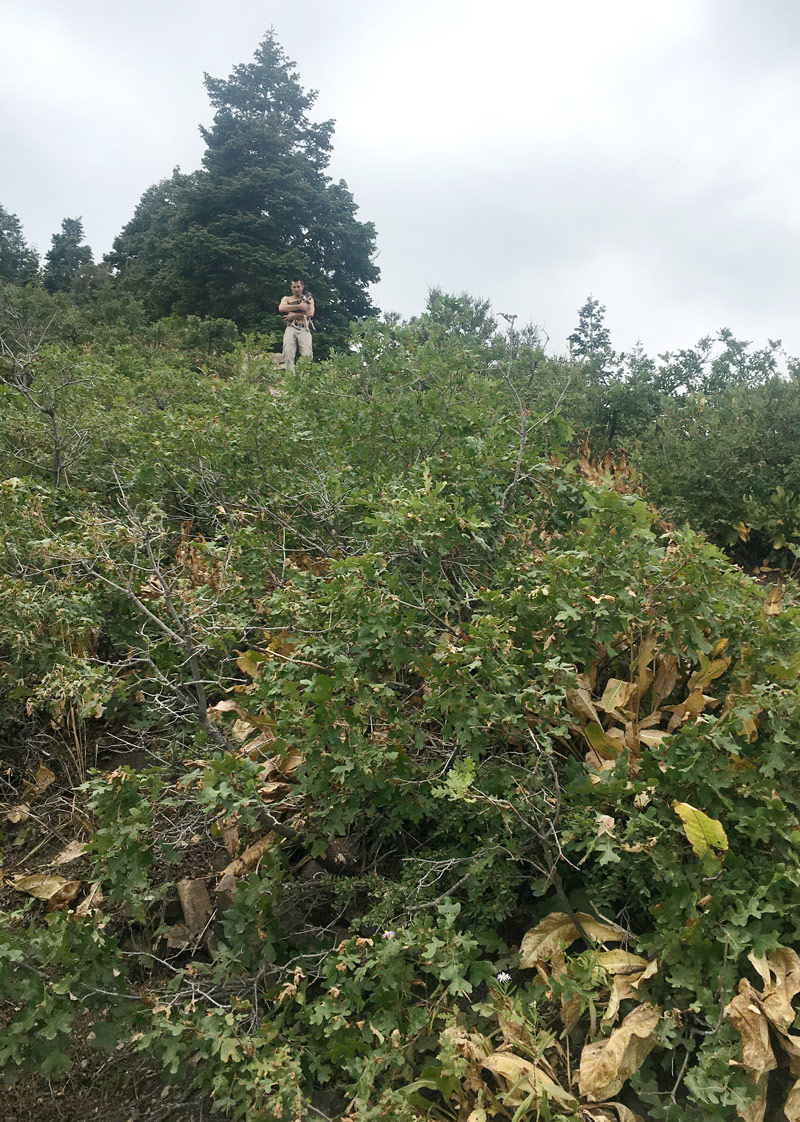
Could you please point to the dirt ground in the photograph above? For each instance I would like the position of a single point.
(125, 1087)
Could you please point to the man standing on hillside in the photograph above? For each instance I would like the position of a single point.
(297, 310)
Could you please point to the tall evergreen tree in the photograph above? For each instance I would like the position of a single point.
(19, 264)
(66, 256)
(226, 240)
(590, 342)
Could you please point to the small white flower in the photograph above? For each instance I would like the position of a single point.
(502, 977)
(388, 934)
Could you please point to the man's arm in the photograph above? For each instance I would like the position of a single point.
(292, 308)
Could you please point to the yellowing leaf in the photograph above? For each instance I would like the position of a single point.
(606, 746)
(772, 604)
(704, 833)
(742, 530)
(708, 672)
(524, 1078)
(546, 942)
(607, 1064)
(620, 961)
(616, 695)
(249, 662)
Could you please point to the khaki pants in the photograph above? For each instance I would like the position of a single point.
(296, 341)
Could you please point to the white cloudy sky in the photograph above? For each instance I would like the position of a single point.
(530, 152)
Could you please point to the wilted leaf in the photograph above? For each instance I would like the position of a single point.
(749, 1020)
(644, 659)
(710, 669)
(91, 901)
(70, 852)
(772, 604)
(704, 833)
(250, 661)
(610, 1112)
(524, 1078)
(607, 1064)
(227, 705)
(548, 939)
(625, 983)
(695, 704)
(605, 745)
(652, 738)
(581, 706)
(616, 695)
(42, 780)
(620, 961)
(665, 680)
(56, 890)
(780, 972)
(20, 813)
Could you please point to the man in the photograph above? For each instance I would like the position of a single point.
(297, 310)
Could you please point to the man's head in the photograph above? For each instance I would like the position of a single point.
(297, 288)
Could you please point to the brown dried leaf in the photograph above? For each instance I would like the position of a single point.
(56, 890)
(692, 707)
(20, 813)
(42, 779)
(665, 680)
(547, 941)
(610, 1112)
(523, 1077)
(91, 901)
(251, 856)
(772, 604)
(580, 705)
(748, 1018)
(780, 972)
(70, 852)
(616, 695)
(606, 1064)
(652, 738)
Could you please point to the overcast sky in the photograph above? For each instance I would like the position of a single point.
(530, 152)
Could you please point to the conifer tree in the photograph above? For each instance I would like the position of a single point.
(66, 256)
(226, 240)
(19, 264)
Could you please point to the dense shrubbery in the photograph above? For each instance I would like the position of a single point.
(410, 766)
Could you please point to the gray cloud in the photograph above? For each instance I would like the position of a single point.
(532, 155)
